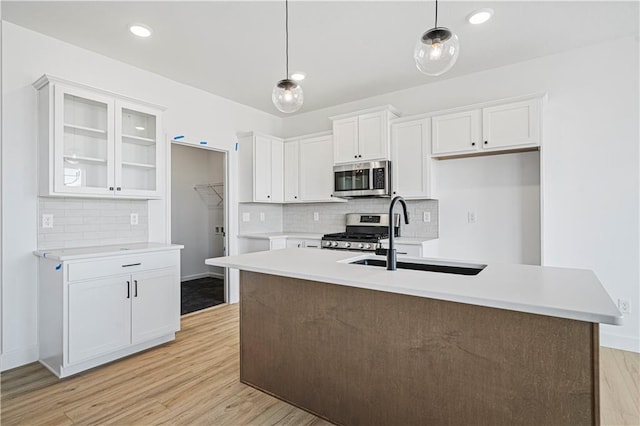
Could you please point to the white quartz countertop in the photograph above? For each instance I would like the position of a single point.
(274, 235)
(102, 251)
(557, 292)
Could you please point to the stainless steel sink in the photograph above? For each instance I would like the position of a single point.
(431, 266)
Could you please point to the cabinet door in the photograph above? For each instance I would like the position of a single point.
(411, 158)
(262, 168)
(316, 169)
(83, 142)
(295, 243)
(373, 138)
(139, 150)
(345, 146)
(511, 125)
(291, 171)
(155, 309)
(277, 171)
(99, 317)
(457, 133)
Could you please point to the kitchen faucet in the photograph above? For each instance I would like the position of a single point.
(392, 258)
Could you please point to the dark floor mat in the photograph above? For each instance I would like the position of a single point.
(200, 294)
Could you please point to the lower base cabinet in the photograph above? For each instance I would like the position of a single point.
(98, 310)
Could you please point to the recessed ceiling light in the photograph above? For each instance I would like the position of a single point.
(140, 30)
(480, 16)
(139, 128)
(298, 76)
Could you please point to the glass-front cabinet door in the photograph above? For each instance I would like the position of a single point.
(84, 141)
(137, 150)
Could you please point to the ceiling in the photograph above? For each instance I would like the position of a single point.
(349, 49)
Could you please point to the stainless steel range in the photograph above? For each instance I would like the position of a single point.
(364, 232)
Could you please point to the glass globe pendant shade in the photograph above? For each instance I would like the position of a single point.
(436, 51)
(287, 96)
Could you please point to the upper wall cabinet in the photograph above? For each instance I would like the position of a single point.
(260, 168)
(362, 135)
(96, 144)
(411, 157)
(308, 169)
(489, 129)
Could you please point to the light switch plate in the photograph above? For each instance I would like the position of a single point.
(261, 216)
(471, 217)
(134, 218)
(246, 217)
(316, 216)
(426, 216)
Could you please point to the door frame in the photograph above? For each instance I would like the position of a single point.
(225, 175)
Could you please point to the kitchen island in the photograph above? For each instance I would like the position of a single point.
(355, 344)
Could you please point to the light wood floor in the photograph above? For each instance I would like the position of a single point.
(194, 380)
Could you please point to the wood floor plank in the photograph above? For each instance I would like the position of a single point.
(195, 380)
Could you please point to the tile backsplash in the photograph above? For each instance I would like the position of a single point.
(331, 216)
(82, 222)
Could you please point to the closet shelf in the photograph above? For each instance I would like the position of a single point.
(211, 190)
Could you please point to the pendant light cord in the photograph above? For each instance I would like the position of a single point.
(436, 26)
(286, 31)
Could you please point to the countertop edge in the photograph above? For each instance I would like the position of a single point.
(103, 251)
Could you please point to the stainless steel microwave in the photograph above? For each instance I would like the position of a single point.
(366, 179)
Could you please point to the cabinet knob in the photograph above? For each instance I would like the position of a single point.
(118, 189)
(359, 156)
(128, 289)
(111, 188)
(486, 142)
(355, 156)
(268, 196)
(473, 144)
(295, 196)
(394, 192)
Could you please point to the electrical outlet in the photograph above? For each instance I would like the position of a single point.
(246, 217)
(624, 305)
(426, 216)
(316, 216)
(471, 216)
(134, 218)
(261, 216)
(47, 221)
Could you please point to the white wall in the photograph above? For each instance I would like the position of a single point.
(590, 178)
(197, 114)
(196, 213)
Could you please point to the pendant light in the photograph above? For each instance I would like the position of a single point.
(287, 95)
(437, 50)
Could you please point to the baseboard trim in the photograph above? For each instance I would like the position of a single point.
(624, 343)
(18, 357)
(202, 275)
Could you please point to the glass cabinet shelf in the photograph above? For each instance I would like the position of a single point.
(74, 159)
(139, 140)
(83, 129)
(139, 165)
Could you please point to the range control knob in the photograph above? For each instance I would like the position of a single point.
(334, 244)
(347, 244)
(367, 246)
(360, 245)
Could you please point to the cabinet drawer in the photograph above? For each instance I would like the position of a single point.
(117, 265)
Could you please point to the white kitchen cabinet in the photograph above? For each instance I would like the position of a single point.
(414, 247)
(291, 171)
(512, 125)
(456, 133)
(260, 163)
(411, 157)
(491, 128)
(100, 308)
(316, 169)
(303, 243)
(94, 143)
(362, 135)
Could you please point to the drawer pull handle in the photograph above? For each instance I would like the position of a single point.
(131, 264)
(135, 288)
(128, 289)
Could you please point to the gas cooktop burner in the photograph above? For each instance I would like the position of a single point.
(364, 232)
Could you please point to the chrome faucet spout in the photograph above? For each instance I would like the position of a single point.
(392, 258)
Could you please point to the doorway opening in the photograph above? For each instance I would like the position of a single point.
(198, 221)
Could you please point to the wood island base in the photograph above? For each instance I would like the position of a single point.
(362, 357)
